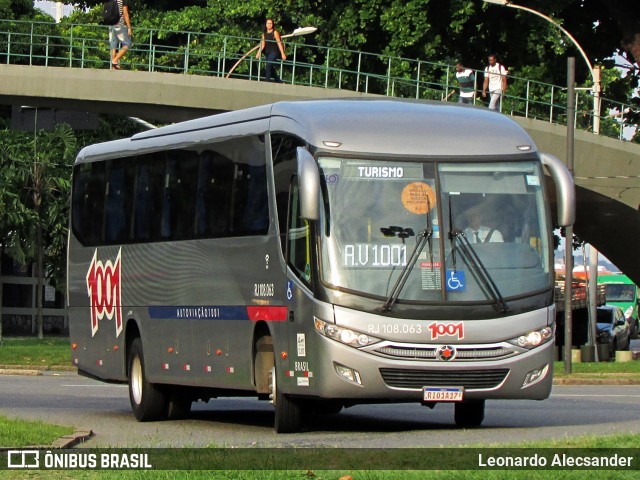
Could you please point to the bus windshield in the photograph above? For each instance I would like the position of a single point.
(485, 225)
(619, 292)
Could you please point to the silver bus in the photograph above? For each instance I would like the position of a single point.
(318, 254)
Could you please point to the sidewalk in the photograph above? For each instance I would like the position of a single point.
(31, 370)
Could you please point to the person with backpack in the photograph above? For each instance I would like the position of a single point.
(116, 15)
(495, 79)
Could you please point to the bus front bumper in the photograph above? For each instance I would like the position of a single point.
(342, 372)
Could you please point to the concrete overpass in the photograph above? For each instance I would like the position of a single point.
(607, 171)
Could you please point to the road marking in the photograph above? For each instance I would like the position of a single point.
(591, 395)
(90, 386)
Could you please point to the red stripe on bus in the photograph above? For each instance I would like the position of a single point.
(269, 314)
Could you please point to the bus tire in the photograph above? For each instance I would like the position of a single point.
(469, 414)
(148, 401)
(288, 413)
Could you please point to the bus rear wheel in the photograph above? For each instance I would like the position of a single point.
(469, 414)
(148, 401)
(288, 413)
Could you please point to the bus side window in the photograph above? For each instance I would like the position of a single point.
(178, 216)
(299, 247)
(254, 217)
(285, 163)
(117, 208)
(213, 202)
(148, 199)
(88, 202)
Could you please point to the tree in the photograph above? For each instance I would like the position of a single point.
(14, 215)
(434, 30)
(12, 9)
(40, 175)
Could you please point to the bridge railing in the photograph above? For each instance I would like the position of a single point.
(195, 53)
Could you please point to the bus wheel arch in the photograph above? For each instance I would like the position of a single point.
(131, 332)
(263, 358)
(288, 411)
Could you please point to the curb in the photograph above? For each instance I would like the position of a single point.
(59, 368)
(68, 441)
(30, 370)
(20, 371)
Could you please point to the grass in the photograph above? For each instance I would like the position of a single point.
(47, 353)
(22, 433)
(599, 369)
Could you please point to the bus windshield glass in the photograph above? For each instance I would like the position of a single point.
(619, 292)
(485, 224)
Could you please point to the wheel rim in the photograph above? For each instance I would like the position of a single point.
(136, 380)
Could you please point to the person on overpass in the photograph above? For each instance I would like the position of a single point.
(273, 49)
(495, 79)
(120, 33)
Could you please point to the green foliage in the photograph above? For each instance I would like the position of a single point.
(40, 354)
(41, 164)
(12, 9)
(23, 433)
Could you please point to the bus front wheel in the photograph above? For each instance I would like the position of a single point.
(288, 414)
(148, 401)
(469, 414)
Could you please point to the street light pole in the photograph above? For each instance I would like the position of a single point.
(595, 72)
(568, 247)
(597, 88)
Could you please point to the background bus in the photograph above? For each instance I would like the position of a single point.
(318, 254)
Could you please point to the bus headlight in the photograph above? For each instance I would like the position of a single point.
(533, 339)
(343, 335)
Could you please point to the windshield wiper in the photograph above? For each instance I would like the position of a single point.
(421, 240)
(474, 260)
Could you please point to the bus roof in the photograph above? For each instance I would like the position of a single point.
(404, 127)
(616, 278)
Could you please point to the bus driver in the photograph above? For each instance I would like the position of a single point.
(478, 233)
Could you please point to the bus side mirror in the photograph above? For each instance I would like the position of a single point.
(565, 189)
(309, 184)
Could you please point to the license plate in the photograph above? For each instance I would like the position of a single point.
(443, 394)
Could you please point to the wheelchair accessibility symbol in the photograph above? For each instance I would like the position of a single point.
(455, 281)
(289, 290)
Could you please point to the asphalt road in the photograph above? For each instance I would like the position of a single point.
(68, 399)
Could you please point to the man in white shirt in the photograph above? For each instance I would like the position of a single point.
(495, 79)
(478, 233)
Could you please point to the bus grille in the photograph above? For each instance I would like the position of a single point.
(469, 379)
(462, 353)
